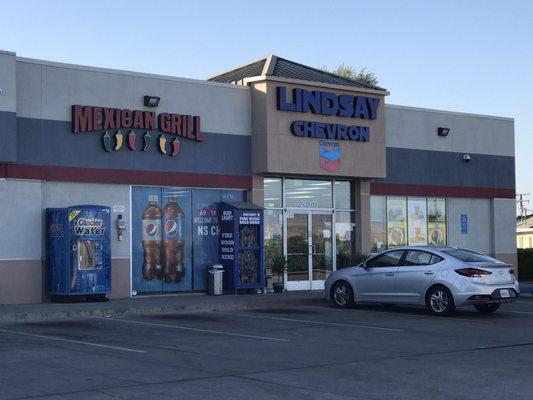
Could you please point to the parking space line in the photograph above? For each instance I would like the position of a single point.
(105, 346)
(517, 312)
(401, 314)
(310, 321)
(188, 328)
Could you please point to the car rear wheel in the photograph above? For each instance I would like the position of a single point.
(342, 294)
(487, 308)
(439, 301)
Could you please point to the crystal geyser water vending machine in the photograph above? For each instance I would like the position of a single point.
(78, 251)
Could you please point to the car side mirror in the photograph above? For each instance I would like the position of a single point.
(364, 265)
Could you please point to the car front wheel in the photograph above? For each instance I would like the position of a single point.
(342, 294)
(487, 308)
(439, 301)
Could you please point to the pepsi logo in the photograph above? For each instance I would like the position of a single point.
(151, 230)
(171, 228)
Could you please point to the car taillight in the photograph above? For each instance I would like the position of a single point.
(472, 272)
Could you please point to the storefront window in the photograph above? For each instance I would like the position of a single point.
(304, 193)
(437, 222)
(272, 188)
(330, 229)
(273, 231)
(396, 221)
(378, 223)
(417, 221)
(343, 196)
(345, 238)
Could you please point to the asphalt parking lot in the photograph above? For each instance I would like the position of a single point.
(312, 352)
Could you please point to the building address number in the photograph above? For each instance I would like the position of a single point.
(309, 204)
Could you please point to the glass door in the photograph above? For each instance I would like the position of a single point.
(321, 248)
(297, 251)
(309, 249)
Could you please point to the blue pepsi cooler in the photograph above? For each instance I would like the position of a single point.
(78, 251)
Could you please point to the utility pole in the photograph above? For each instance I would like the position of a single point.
(522, 206)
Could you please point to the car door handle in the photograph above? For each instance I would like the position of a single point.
(390, 274)
(429, 273)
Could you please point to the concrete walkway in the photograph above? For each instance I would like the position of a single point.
(158, 304)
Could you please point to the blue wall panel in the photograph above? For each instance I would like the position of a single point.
(47, 142)
(423, 167)
(8, 136)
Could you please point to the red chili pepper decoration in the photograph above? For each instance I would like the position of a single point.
(175, 147)
(132, 140)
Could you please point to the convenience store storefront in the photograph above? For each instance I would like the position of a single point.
(338, 172)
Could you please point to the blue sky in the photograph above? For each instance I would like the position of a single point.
(471, 56)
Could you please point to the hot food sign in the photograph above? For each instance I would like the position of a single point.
(112, 121)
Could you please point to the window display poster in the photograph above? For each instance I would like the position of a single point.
(436, 221)
(161, 239)
(170, 228)
(417, 221)
(396, 221)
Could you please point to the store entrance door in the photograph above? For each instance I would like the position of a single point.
(308, 248)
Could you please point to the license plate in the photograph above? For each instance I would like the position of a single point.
(505, 293)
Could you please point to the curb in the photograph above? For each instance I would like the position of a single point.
(102, 311)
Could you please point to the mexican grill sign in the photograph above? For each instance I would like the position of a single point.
(94, 118)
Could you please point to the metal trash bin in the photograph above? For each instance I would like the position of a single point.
(215, 279)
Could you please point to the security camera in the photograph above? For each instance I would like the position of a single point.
(466, 158)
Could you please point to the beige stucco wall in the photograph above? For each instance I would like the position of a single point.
(275, 150)
(22, 281)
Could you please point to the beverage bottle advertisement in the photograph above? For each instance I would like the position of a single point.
(161, 240)
(206, 229)
(170, 228)
(90, 251)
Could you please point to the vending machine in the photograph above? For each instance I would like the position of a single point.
(241, 245)
(78, 251)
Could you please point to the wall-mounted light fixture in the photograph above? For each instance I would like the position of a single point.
(151, 101)
(443, 131)
(466, 158)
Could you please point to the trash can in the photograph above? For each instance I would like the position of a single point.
(215, 279)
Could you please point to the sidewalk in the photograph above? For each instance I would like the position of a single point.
(158, 304)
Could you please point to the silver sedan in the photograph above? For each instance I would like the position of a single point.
(440, 278)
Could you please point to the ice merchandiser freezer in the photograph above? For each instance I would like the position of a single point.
(241, 246)
(78, 251)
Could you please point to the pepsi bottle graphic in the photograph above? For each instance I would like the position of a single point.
(151, 240)
(173, 242)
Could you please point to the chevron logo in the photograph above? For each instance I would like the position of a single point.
(330, 155)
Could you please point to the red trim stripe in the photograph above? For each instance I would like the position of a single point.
(122, 176)
(441, 191)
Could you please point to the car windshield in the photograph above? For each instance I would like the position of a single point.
(469, 256)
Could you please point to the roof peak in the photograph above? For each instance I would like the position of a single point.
(273, 65)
